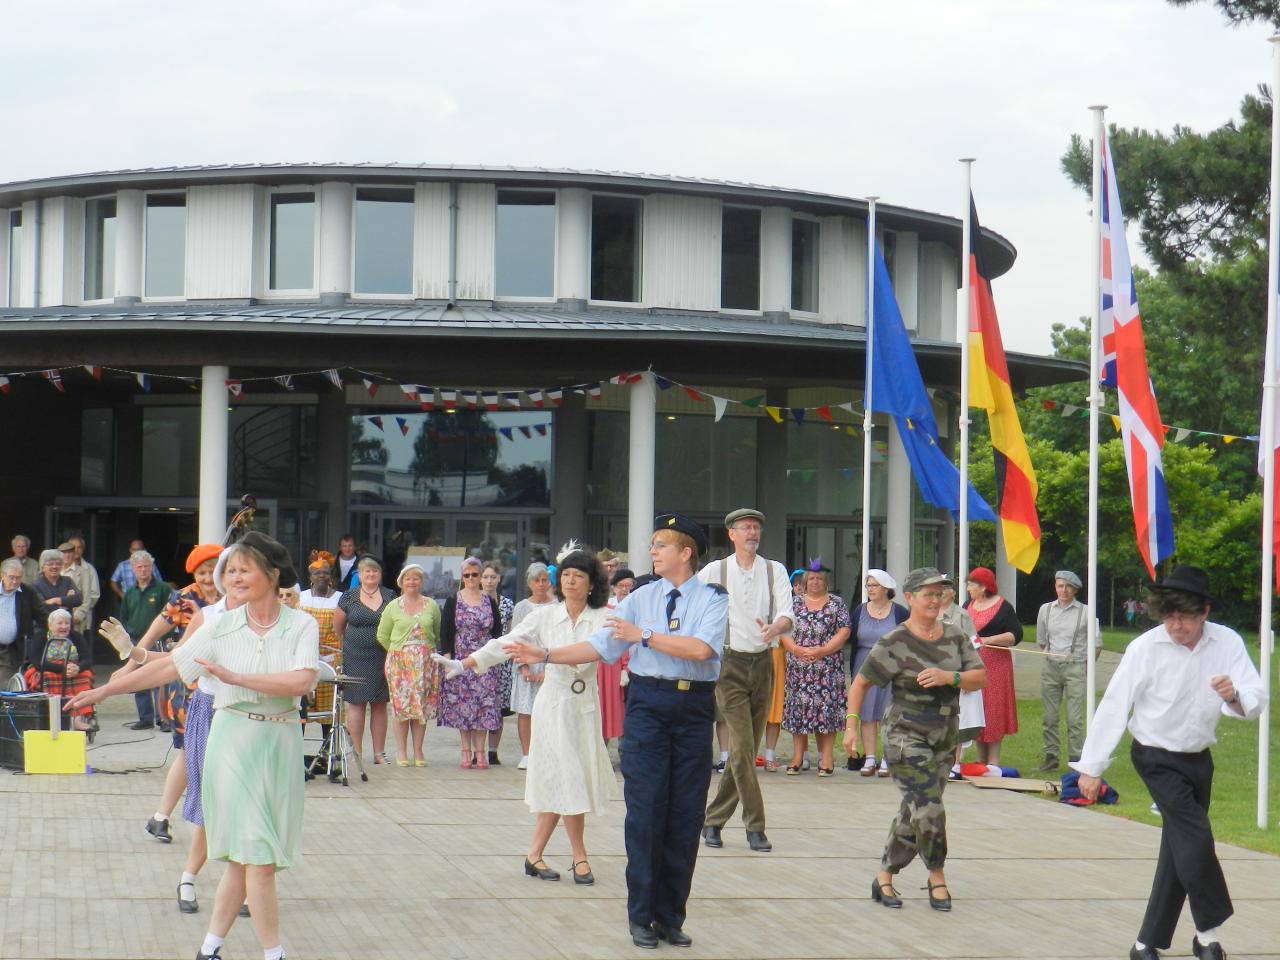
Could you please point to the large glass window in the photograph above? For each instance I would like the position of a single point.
(166, 245)
(804, 265)
(15, 257)
(97, 450)
(384, 241)
(525, 246)
(824, 470)
(293, 241)
(740, 259)
(100, 248)
(615, 248)
(469, 458)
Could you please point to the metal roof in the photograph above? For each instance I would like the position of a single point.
(931, 226)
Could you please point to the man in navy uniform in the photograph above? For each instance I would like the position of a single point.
(674, 628)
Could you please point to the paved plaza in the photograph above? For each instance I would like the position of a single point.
(427, 863)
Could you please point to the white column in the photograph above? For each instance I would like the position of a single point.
(130, 215)
(644, 410)
(212, 519)
(573, 244)
(336, 215)
(1006, 575)
(775, 261)
(898, 508)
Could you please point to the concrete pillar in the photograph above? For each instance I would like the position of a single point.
(771, 478)
(775, 263)
(570, 440)
(212, 517)
(337, 211)
(573, 246)
(1006, 575)
(642, 445)
(898, 520)
(333, 448)
(130, 215)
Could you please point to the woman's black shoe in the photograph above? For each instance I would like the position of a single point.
(587, 878)
(493, 759)
(541, 872)
(890, 899)
(187, 906)
(939, 903)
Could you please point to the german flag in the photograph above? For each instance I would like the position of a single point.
(989, 388)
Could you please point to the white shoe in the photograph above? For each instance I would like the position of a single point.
(869, 766)
(883, 769)
(523, 764)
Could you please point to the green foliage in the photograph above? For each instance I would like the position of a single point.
(1242, 11)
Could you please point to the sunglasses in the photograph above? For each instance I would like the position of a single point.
(470, 576)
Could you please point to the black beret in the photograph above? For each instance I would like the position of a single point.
(682, 524)
(275, 552)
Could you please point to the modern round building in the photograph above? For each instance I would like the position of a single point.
(492, 358)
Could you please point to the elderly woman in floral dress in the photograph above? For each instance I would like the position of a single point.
(813, 701)
(469, 703)
(409, 631)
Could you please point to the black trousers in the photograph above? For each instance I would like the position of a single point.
(1188, 867)
(665, 780)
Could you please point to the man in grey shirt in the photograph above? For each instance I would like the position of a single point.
(1062, 631)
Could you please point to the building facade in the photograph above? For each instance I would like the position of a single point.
(493, 359)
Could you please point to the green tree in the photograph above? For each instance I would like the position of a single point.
(1242, 11)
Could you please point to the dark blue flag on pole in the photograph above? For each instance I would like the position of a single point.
(898, 389)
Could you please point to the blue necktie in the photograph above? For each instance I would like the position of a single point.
(672, 597)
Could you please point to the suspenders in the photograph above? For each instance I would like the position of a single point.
(724, 581)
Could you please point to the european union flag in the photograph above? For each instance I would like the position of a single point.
(898, 389)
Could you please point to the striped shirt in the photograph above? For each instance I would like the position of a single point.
(292, 644)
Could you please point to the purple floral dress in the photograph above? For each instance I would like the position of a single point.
(814, 694)
(469, 702)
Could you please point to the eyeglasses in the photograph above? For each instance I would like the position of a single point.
(1181, 617)
(932, 596)
(470, 576)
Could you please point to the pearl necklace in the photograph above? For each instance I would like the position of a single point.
(262, 626)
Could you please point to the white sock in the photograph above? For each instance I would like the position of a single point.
(1139, 945)
(187, 892)
(1207, 937)
(160, 816)
(724, 756)
(211, 943)
(768, 756)
(275, 953)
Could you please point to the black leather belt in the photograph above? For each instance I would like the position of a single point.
(684, 686)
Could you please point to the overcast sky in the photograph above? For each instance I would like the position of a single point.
(852, 97)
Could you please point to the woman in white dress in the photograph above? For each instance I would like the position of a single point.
(569, 772)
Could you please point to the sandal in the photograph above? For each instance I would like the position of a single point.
(381, 757)
(826, 771)
(793, 771)
(869, 766)
(466, 760)
(482, 762)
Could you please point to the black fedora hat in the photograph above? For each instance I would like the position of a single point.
(276, 553)
(1187, 579)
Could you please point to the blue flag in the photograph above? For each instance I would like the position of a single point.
(898, 389)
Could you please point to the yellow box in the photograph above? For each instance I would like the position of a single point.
(41, 753)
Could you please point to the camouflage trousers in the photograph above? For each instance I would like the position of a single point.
(920, 749)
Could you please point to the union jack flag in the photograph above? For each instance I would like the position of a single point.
(1124, 367)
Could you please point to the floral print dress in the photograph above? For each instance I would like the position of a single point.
(470, 702)
(814, 696)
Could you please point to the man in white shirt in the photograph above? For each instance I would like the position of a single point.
(1062, 631)
(81, 572)
(1177, 680)
(759, 613)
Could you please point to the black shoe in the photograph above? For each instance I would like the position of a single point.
(586, 879)
(541, 872)
(758, 842)
(884, 893)
(216, 955)
(642, 935)
(493, 759)
(939, 903)
(711, 836)
(1151, 953)
(673, 935)
(244, 910)
(142, 725)
(159, 829)
(187, 906)
(1207, 951)
(164, 727)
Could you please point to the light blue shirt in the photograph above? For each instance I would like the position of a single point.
(8, 617)
(125, 578)
(702, 611)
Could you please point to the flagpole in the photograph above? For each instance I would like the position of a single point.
(1095, 405)
(867, 425)
(966, 244)
(1268, 450)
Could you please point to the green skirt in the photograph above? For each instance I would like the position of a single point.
(252, 787)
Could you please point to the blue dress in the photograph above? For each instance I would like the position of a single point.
(867, 634)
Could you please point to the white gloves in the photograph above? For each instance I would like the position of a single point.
(451, 668)
(113, 631)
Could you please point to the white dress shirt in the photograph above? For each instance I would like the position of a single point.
(1166, 686)
(749, 599)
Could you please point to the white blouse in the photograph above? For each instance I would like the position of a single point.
(292, 644)
(548, 627)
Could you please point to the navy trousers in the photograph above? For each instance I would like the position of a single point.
(666, 776)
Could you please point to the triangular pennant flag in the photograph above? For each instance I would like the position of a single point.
(512, 399)
(720, 404)
(1068, 409)
(536, 397)
(594, 392)
(448, 397)
(471, 398)
(1115, 422)
(334, 377)
(662, 382)
(144, 382)
(427, 397)
(55, 379)
(377, 422)
(1229, 439)
(618, 379)
(754, 401)
(95, 372)
(540, 429)
(4, 384)
(527, 432)
(410, 391)
(285, 381)
(824, 413)
(775, 413)
(235, 386)
(554, 396)
(1181, 435)
(403, 424)
(506, 432)
(371, 387)
(491, 402)
(845, 406)
(694, 394)
(798, 413)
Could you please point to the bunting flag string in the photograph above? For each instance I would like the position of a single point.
(334, 377)
(1179, 433)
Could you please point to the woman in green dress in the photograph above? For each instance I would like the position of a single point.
(265, 656)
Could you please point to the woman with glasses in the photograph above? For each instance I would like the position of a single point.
(927, 664)
(470, 703)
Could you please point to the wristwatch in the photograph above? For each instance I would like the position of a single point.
(645, 636)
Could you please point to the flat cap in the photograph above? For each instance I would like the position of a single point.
(1069, 577)
(66, 545)
(742, 513)
(682, 524)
